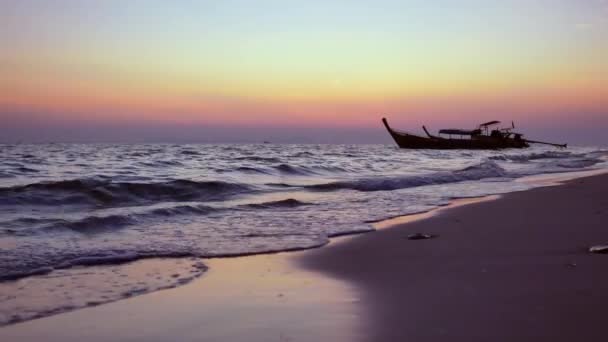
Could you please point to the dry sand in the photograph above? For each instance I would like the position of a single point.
(513, 269)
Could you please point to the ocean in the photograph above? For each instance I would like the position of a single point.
(76, 219)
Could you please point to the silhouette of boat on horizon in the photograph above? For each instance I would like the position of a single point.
(485, 137)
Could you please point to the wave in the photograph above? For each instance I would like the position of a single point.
(281, 185)
(91, 224)
(286, 203)
(137, 154)
(162, 163)
(258, 159)
(98, 259)
(18, 269)
(554, 161)
(183, 210)
(94, 224)
(309, 170)
(600, 154)
(98, 224)
(101, 224)
(190, 153)
(487, 169)
(332, 169)
(286, 169)
(580, 163)
(535, 156)
(303, 154)
(293, 170)
(248, 169)
(24, 169)
(102, 191)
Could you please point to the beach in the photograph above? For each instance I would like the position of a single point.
(344, 171)
(514, 268)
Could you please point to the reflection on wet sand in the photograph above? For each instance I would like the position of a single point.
(255, 298)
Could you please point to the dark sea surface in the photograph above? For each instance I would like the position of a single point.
(74, 218)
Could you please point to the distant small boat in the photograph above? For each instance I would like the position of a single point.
(484, 137)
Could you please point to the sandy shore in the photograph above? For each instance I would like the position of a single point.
(260, 298)
(512, 269)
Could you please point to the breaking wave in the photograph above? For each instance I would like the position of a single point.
(535, 156)
(488, 169)
(101, 191)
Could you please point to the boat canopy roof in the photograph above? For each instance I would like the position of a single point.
(460, 131)
(490, 123)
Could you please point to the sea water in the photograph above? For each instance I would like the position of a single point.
(76, 220)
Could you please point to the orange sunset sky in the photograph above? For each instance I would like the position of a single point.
(299, 71)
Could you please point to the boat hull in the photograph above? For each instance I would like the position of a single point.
(405, 140)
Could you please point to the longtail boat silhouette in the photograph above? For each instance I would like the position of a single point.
(486, 136)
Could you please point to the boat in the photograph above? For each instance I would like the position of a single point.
(487, 136)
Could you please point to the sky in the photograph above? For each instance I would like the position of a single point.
(299, 71)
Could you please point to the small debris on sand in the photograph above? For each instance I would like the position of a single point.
(420, 236)
(600, 249)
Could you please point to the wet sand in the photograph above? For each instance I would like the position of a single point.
(256, 298)
(512, 269)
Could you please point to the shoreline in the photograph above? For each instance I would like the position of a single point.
(256, 298)
(512, 269)
(351, 296)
